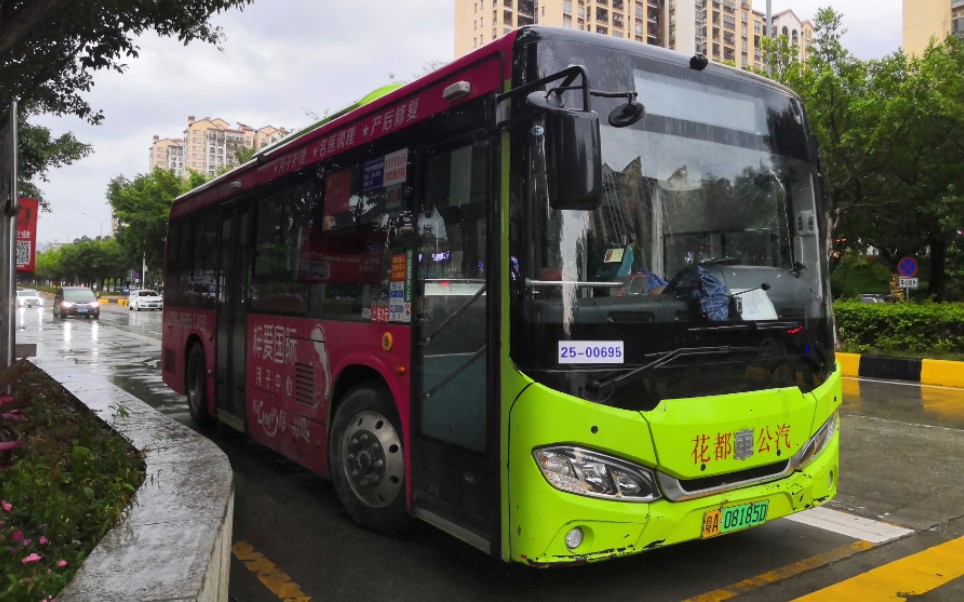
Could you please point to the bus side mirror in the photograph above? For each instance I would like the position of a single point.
(573, 160)
(572, 152)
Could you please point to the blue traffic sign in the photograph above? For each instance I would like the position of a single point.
(907, 267)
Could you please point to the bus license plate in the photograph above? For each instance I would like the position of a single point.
(733, 518)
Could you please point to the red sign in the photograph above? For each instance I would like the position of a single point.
(27, 235)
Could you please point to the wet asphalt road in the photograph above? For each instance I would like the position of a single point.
(902, 463)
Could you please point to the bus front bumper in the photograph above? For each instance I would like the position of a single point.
(610, 529)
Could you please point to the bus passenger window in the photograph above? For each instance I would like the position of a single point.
(285, 218)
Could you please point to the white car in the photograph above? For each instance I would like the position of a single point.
(144, 299)
(29, 298)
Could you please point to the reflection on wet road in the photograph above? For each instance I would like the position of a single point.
(123, 346)
(904, 402)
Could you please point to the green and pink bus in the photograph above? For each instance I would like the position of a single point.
(565, 298)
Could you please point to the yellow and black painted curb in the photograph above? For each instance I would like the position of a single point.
(929, 372)
(117, 300)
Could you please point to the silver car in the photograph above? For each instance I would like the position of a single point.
(144, 299)
(29, 298)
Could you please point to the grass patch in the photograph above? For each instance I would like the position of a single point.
(69, 483)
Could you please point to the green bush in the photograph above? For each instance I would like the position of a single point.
(856, 275)
(918, 328)
(67, 485)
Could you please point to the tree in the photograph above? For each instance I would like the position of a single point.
(51, 49)
(142, 207)
(887, 129)
(40, 152)
(83, 261)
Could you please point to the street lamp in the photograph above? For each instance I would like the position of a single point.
(100, 235)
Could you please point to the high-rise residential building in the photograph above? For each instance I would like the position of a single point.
(931, 20)
(799, 33)
(168, 153)
(723, 30)
(209, 146)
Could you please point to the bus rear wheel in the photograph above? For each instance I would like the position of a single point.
(195, 385)
(367, 461)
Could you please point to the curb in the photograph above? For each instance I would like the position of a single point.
(174, 543)
(929, 372)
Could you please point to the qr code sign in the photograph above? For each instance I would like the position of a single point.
(23, 252)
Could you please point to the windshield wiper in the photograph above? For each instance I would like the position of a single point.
(608, 384)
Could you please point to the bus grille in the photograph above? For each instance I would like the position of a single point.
(304, 383)
(688, 489)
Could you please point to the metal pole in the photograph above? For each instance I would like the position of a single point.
(769, 19)
(8, 235)
(769, 33)
(144, 271)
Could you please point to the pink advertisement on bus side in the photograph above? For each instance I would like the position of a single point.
(291, 368)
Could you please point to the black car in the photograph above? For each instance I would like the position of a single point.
(76, 301)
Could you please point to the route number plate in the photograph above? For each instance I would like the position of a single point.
(733, 518)
(591, 352)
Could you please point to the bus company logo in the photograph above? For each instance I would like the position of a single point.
(743, 444)
(740, 445)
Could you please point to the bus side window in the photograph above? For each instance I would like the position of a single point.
(284, 221)
(191, 261)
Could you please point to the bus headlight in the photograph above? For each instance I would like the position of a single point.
(816, 444)
(584, 472)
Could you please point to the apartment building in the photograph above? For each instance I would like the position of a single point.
(927, 20)
(724, 30)
(209, 146)
(168, 153)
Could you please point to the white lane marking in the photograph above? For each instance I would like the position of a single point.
(850, 525)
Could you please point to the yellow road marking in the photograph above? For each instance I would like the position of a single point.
(270, 575)
(785, 572)
(901, 579)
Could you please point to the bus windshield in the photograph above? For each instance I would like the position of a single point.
(706, 244)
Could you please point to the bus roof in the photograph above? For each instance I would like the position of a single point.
(484, 69)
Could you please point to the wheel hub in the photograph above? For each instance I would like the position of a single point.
(372, 459)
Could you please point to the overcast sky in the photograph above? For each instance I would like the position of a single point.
(284, 61)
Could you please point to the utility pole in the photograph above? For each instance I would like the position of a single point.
(8, 233)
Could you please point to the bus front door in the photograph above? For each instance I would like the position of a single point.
(455, 466)
(234, 274)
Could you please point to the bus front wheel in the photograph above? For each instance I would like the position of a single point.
(195, 382)
(367, 461)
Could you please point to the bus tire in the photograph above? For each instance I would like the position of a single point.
(367, 461)
(195, 386)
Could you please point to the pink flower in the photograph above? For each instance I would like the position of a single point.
(17, 536)
(61, 563)
(43, 540)
(6, 505)
(32, 558)
(26, 542)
